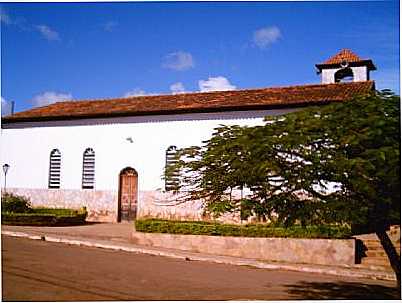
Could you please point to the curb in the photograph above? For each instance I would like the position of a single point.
(92, 244)
(348, 272)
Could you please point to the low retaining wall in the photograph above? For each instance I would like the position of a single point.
(310, 251)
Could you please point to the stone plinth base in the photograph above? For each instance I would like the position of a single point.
(101, 204)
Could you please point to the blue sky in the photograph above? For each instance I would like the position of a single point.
(51, 52)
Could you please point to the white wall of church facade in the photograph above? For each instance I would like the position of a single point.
(360, 73)
(27, 148)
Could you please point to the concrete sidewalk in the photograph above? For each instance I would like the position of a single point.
(117, 237)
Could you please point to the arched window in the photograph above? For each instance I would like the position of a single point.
(171, 175)
(54, 169)
(88, 169)
(344, 75)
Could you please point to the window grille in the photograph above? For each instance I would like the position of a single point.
(88, 169)
(171, 177)
(54, 169)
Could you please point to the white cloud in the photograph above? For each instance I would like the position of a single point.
(136, 92)
(22, 24)
(179, 61)
(110, 26)
(266, 36)
(48, 33)
(177, 88)
(50, 97)
(5, 107)
(215, 84)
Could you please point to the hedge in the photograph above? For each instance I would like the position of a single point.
(249, 230)
(56, 211)
(45, 217)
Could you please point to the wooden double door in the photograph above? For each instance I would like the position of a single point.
(128, 195)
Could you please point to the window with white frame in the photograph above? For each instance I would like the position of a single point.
(88, 169)
(171, 175)
(54, 169)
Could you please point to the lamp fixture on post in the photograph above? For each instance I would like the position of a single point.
(5, 170)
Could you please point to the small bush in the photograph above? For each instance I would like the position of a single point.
(249, 230)
(15, 204)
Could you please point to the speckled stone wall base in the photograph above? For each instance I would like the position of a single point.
(101, 204)
(165, 205)
(161, 205)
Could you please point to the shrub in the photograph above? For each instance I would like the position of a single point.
(46, 217)
(15, 204)
(249, 230)
(17, 210)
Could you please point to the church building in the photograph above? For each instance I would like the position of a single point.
(109, 155)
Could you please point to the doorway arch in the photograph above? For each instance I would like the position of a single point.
(128, 195)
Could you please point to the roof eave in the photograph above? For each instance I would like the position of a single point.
(368, 63)
(10, 119)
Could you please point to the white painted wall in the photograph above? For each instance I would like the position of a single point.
(360, 73)
(27, 147)
(328, 75)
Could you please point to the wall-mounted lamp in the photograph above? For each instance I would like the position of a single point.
(5, 170)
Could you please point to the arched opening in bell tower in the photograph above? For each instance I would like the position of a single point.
(344, 75)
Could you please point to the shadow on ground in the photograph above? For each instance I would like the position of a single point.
(92, 223)
(342, 291)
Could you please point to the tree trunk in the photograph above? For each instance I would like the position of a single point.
(392, 254)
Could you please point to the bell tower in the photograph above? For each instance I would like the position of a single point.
(345, 66)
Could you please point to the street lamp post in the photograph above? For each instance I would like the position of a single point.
(5, 170)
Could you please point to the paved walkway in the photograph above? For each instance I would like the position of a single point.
(117, 236)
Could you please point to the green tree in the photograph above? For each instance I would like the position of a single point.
(332, 164)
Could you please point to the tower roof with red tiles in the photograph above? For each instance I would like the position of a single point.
(345, 56)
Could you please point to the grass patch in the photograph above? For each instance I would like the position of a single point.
(249, 230)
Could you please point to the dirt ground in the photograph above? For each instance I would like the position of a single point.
(35, 270)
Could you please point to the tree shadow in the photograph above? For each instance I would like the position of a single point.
(361, 251)
(342, 291)
(389, 246)
(392, 254)
(92, 223)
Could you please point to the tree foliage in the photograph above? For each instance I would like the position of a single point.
(338, 163)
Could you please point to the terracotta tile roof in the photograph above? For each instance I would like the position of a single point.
(265, 98)
(343, 55)
(348, 56)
